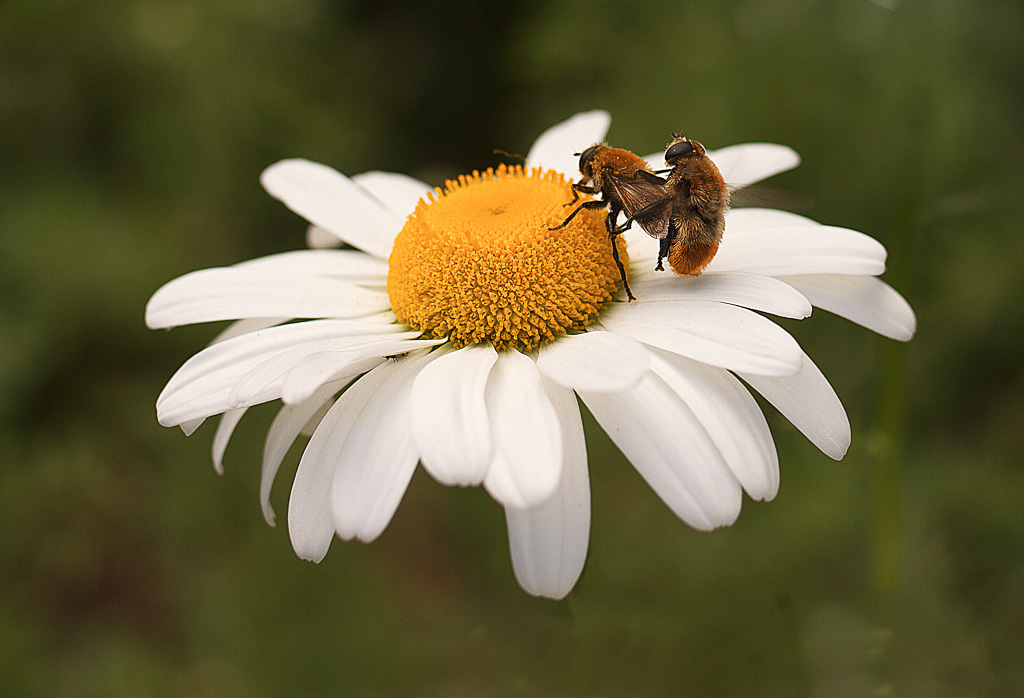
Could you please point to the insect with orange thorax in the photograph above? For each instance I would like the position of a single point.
(686, 211)
(698, 200)
(626, 183)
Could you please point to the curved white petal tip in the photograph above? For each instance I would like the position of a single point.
(525, 432)
(554, 149)
(808, 401)
(333, 202)
(548, 542)
(449, 415)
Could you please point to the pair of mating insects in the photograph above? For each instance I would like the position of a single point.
(686, 211)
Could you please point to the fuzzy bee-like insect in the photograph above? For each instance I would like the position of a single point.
(698, 199)
(626, 183)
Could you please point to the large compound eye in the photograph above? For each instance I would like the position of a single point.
(678, 150)
(586, 157)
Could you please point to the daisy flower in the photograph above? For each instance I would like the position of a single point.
(457, 331)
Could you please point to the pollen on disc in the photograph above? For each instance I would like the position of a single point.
(478, 261)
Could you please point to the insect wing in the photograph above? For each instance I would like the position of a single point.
(761, 196)
(654, 218)
(645, 199)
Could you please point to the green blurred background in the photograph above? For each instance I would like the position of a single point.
(132, 134)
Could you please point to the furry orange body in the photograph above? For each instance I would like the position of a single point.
(625, 183)
(700, 199)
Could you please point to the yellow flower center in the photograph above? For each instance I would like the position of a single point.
(479, 263)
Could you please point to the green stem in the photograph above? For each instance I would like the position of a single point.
(888, 478)
(891, 425)
(890, 431)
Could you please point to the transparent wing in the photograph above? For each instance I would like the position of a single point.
(646, 199)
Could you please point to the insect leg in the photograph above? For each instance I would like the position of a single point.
(609, 223)
(666, 243)
(622, 272)
(641, 214)
(614, 208)
(577, 188)
(584, 205)
(622, 228)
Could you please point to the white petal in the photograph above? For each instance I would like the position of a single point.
(317, 369)
(732, 418)
(671, 450)
(319, 239)
(800, 249)
(240, 327)
(200, 388)
(226, 427)
(595, 361)
(310, 520)
(744, 163)
(310, 523)
(332, 201)
(643, 250)
(376, 459)
(554, 149)
(549, 541)
(398, 192)
(449, 416)
(247, 326)
(715, 333)
(754, 291)
(525, 432)
(748, 219)
(286, 426)
(230, 293)
(863, 299)
(189, 426)
(809, 402)
(266, 381)
(315, 420)
(349, 265)
(747, 163)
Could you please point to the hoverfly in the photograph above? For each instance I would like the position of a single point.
(626, 183)
(698, 199)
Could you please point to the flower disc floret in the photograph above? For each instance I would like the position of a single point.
(477, 261)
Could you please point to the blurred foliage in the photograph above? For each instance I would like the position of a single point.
(132, 134)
